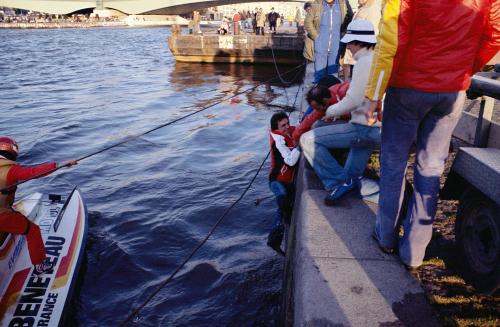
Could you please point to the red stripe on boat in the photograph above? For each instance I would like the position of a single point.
(66, 260)
(15, 286)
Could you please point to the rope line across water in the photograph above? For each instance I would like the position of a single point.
(214, 227)
(193, 252)
(133, 137)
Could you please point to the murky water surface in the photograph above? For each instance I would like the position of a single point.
(67, 93)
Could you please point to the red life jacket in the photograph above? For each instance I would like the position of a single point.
(279, 169)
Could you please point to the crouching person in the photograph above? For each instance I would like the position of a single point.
(284, 156)
(12, 221)
(357, 135)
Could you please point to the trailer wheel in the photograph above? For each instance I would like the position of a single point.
(477, 231)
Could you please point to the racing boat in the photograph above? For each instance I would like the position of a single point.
(29, 300)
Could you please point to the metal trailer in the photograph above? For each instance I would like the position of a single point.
(474, 180)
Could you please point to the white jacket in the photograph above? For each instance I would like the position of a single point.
(354, 102)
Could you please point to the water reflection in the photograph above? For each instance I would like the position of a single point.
(221, 81)
(192, 74)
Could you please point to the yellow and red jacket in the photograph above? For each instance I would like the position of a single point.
(433, 46)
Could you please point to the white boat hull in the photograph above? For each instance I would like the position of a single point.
(28, 300)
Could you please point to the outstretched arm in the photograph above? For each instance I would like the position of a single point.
(19, 173)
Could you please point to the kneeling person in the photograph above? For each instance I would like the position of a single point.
(12, 221)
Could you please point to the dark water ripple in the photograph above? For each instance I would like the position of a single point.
(67, 93)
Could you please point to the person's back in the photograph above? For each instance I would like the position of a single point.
(445, 37)
(426, 53)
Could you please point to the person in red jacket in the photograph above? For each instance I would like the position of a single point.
(425, 55)
(319, 99)
(284, 156)
(12, 221)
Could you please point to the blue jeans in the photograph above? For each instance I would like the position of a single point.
(360, 139)
(426, 119)
(325, 64)
(284, 198)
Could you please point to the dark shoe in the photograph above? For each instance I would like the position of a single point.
(42, 268)
(384, 249)
(332, 198)
(275, 238)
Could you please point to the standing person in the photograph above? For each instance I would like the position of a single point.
(357, 135)
(284, 156)
(254, 21)
(425, 69)
(12, 221)
(236, 23)
(325, 25)
(261, 22)
(196, 22)
(279, 21)
(298, 17)
(371, 11)
(249, 21)
(308, 52)
(272, 17)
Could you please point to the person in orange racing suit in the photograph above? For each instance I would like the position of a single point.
(12, 221)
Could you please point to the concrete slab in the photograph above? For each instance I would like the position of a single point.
(343, 231)
(336, 274)
(342, 292)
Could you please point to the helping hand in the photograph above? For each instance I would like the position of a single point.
(68, 163)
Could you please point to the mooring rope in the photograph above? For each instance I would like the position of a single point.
(221, 218)
(212, 230)
(278, 71)
(133, 137)
(193, 252)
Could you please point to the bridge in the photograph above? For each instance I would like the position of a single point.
(130, 7)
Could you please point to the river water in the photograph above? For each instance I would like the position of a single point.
(66, 93)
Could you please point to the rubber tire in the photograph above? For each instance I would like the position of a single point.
(478, 227)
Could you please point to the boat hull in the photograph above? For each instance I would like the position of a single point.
(251, 49)
(28, 300)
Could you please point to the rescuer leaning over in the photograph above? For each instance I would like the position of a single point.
(12, 221)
